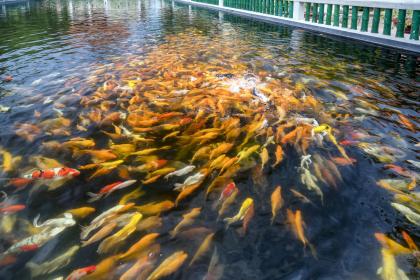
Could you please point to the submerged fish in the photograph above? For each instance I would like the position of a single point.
(107, 190)
(81, 272)
(169, 265)
(54, 264)
(204, 247)
(187, 220)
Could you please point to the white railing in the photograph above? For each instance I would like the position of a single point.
(386, 22)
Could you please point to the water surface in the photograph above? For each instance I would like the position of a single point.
(66, 59)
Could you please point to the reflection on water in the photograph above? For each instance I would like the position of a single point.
(148, 139)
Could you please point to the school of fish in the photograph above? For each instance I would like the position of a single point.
(171, 122)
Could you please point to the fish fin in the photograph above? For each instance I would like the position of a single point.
(68, 215)
(53, 185)
(35, 223)
(94, 197)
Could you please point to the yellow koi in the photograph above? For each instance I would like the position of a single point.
(241, 214)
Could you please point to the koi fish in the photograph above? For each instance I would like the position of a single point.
(11, 209)
(149, 223)
(409, 241)
(143, 266)
(194, 179)
(222, 148)
(408, 213)
(276, 202)
(135, 194)
(139, 247)
(103, 269)
(100, 234)
(108, 189)
(81, 212)
(310, 181)
(389, 269)
(226, 193)
(215, 270)
(169, 265)
(48, 231)
(247, 219)
(103, 218)
(187, 220)
(79, 273)
(54, 264)
(295, 219)
(228, 201)
(394, 247)
(52, 174)
(181, 172)
(204, 247)
(279, 156)
(154, 208)
(264, 157)
(97, 155)
(247, 152)
(112, 241)
(343, 161)
(241, 214)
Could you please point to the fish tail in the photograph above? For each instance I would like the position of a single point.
(94, 197)
(78, 153)
(229, 221)
(178, 186)
(313, 251)
(34, 268)
(35, 223)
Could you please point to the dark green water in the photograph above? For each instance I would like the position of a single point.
(52, 48)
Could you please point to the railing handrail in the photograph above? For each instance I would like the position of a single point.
(386, 4)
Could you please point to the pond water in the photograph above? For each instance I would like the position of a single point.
(314, 138)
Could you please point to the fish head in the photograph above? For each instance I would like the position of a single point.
(66, 171)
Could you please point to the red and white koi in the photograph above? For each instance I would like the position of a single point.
(57, 173)
(108, 189)
(50, 229)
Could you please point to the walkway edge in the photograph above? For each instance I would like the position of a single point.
(378, 39)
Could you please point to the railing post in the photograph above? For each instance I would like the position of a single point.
(415, 25)
(298, 10)
(365, 19)
(336, 15)
(345, 20)
(291, 9)
(308, 11)
(315, 12)
(220, 3)
(387, 21)
(329, 13)
(401, 23)
(321, 13)
(354, 16)
(376, 18)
